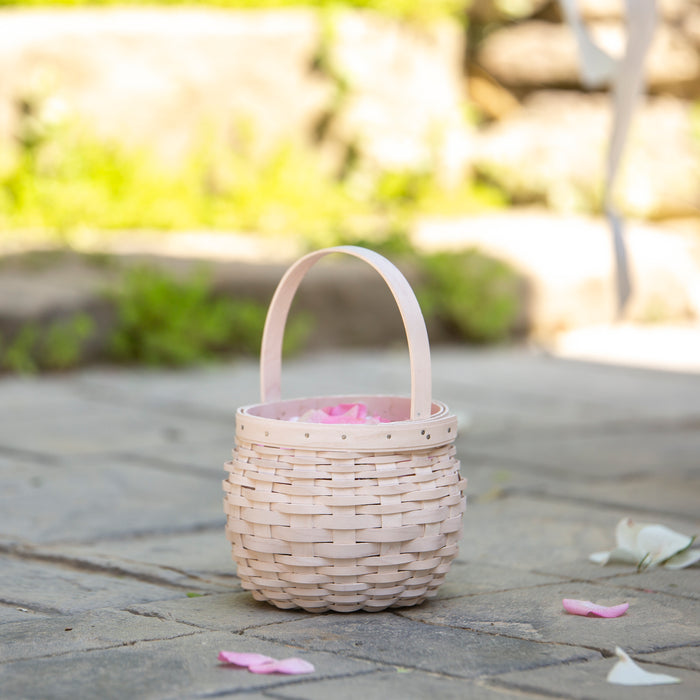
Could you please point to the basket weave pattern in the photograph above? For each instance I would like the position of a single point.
(343, 531)
(343, 516)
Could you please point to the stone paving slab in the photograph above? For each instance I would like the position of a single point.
(94, 629)
(89, 558)
(103, 498)
(590, 384)
(101, 428)
(685, 657)
(659, 495)
(114, 527)
(587, 680)
(404, 683)
(625, 454)
(394, 639)
(549, 535)
(200, 559)
(653, 621)
(58, 589)
(180, 667)
(14, 613)
(474, 577)
(535, 533)
(684, 583)
(229, 612)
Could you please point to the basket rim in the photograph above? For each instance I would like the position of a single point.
(399, 435)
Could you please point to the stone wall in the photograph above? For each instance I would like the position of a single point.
(545, 139)
(393, 92)
(158, 77)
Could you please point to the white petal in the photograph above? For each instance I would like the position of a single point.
(660, 542)
(601, 558)
(626, 535)
(626, 672)
(623, 556)
(685, 558)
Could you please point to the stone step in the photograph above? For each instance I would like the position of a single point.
(566, 263)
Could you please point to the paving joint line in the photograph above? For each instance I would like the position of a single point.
(175, 409)
(164, 465)
(73, 564)
(603, 582)
(45, 609)
(581, 500)
(528, 691)
(608, 428)
(355, 655)
(668, 664)
(602, 652)
(282, 683)
(31, 455)
(143, 534)
(130, 643)
(655, 592)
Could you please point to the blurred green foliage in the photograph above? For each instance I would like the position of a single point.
(63, 179)
(63, 342)
(420, 10)
(164, 320)
(479, 296)
(160, 320)
(55, 346)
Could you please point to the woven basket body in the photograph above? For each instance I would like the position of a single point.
(344, 517)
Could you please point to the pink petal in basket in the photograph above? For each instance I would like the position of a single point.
(246, 659)
(342, 413)
(351, 410)
(585, 607)
(292, 667)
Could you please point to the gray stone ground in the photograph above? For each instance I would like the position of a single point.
(111, 517)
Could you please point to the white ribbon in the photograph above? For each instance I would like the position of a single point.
(625, 78)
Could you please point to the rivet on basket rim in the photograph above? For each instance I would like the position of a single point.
(344, 437)
(306, 435)
(388, 437)
(422, 432)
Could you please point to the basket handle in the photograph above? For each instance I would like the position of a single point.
(416, 333)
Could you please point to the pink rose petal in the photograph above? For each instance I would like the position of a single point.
(244, 658)
(342, 413)
(585, 607)
(350, 410)
(291, 666)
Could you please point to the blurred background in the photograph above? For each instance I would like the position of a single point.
(161, 163)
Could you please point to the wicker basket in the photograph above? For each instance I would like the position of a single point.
(344, 517)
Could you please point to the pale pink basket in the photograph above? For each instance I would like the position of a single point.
(344, 517)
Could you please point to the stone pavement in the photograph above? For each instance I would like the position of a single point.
(116, 579)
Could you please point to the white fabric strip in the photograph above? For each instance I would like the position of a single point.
(625, 77)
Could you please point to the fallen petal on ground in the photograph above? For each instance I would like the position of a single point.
(291, 667)
(686, 558)
(586, 607)
(244, 658)
(627, 672)
(647, 545)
